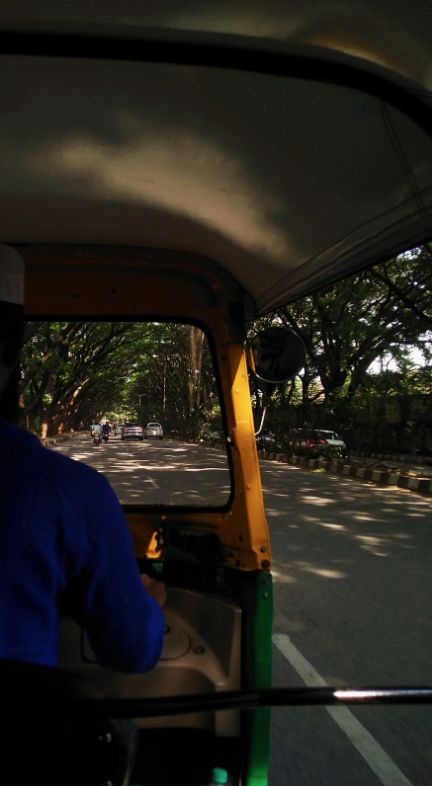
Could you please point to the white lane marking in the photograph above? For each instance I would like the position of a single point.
(378, 760)
(152, 482)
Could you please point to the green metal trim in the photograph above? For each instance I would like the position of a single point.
(259, 748)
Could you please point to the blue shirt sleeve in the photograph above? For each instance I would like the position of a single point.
(124, 623)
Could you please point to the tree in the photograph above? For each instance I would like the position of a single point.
(354, 322)
(411, 283)
(177, 382)
(350, 327)
(70, 371)
(74, 373)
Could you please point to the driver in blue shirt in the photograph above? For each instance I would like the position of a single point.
(63, 538)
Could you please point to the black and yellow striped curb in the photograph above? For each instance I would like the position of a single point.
(382, 477)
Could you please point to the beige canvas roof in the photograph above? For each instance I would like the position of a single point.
(290, 142)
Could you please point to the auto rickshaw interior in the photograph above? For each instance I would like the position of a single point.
(203, 531)
(185, 163)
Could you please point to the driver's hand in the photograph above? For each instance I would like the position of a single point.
(155, 588)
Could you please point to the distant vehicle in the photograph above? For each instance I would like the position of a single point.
(96, 433)
(316, 437)
(106, 428)
(153, 430)
(330, 438)
(132, 431)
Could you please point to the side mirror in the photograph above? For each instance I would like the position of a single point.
(276, 355)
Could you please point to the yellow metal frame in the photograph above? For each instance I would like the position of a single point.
(107, 283)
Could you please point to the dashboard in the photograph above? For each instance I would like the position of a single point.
(201, 654)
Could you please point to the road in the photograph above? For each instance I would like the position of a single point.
(156, 472)
(353, 591)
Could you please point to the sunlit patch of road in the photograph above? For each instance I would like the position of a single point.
(157, 472)
(352, 589)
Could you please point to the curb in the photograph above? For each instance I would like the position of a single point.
(45, 441)
(379, 477)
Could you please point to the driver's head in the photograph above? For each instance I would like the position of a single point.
(11, 312)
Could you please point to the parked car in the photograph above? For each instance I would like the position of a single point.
(132, 431)
(309, 438)
(330, 438)
(153, 430)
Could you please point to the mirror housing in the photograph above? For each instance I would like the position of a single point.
(275, 355)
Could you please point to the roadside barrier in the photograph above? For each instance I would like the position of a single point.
(381, 477)
(58, 438)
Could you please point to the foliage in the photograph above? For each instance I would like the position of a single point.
(176, 383)
(377, 315)
(75, 373)
(314, 450)
(325, 452)
(70, 371)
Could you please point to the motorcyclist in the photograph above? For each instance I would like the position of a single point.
(96, 432)
(106, 428)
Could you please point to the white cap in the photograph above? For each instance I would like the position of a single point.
(11, 275)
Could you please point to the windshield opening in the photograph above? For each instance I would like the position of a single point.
(137, 401)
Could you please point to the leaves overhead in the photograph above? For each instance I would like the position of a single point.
(75, 373)
(374, 319)
(360, 320)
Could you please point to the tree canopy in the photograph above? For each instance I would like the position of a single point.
(74, 373)
(350, 327)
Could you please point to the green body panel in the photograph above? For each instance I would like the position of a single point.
(257, 774)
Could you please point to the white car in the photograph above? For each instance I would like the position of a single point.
(132, 431)
(330, 437)
(154, 430)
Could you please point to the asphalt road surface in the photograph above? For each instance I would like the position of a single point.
(353, 591)
(156, 471)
